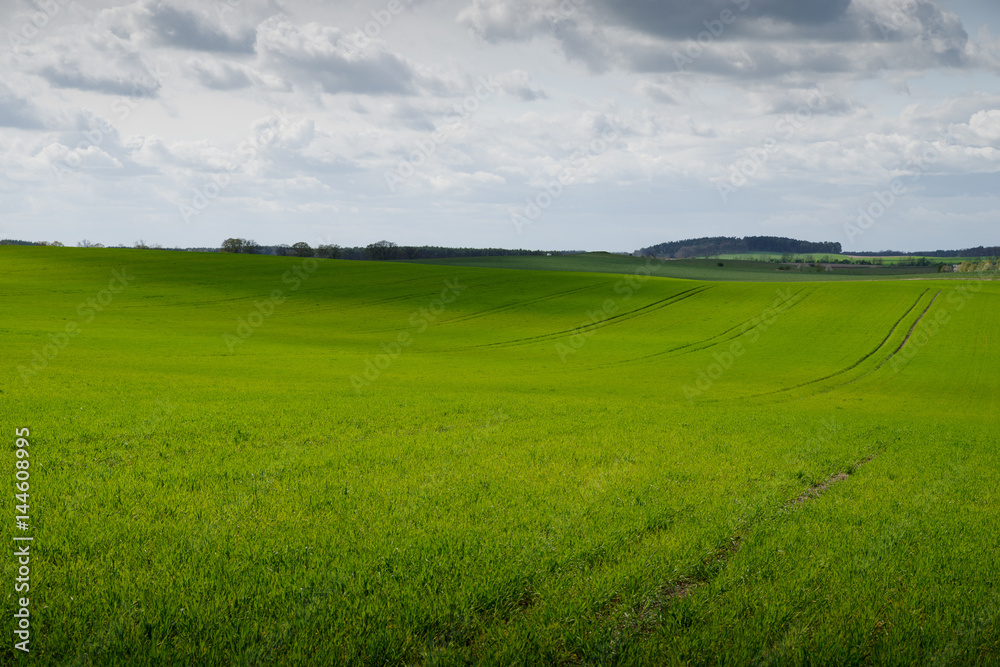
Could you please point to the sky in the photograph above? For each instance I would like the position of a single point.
(542, 124)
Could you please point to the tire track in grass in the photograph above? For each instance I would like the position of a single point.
(891, 354)
(615, 319)
(643, 619)
(796, 301)
(905, 340)
(856, 363)
(882, 363)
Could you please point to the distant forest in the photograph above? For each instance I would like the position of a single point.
(731, 245)
(382, 250)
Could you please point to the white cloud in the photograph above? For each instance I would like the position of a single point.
(982, 130)
(136, 105)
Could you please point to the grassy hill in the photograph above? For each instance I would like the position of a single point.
(245, 459)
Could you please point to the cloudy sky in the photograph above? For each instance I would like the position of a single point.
(583, 124)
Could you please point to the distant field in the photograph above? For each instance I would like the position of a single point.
(933, 260)
(758, 256)
(830, 257)
(688, 269)
(755, 256)
(265, 460)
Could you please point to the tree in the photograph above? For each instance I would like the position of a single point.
(382, 250)
(244, 246)
(328, 251)
(233, 245)
(302, 249)
(282, 250)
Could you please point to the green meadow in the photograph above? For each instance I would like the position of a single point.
(240, 459)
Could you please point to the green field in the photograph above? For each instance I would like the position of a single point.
(240, 459)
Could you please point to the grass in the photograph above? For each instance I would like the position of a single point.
(425, 463)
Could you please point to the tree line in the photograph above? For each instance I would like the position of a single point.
(378, 251)
(731, 245)
(978, 251)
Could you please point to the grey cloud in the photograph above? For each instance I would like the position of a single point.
(509, 20)
(185, 29)
(220, 76)
(732, 37)
(683, 18)
(518, 84)
(942, 29)
(573, 26)
(657, 92)
(18, 112)
(104, 65)
(70, 75)
(813, 100)
(314, 54)
(412, 117)
(385, 73)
